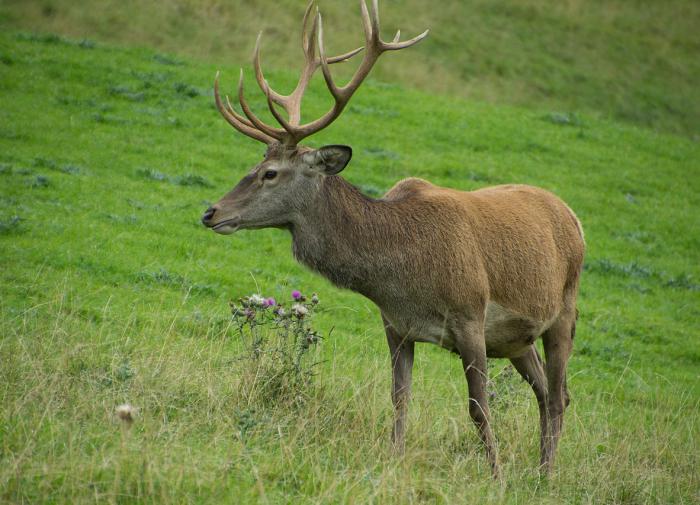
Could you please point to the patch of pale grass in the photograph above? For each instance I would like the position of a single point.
(196, 439)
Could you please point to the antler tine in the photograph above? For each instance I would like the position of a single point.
(276, 97)
(280, 119)
(276, 133)
(366, 23)
(235, 114)
(376, 34)
(304, 33)
(324, 62)
(310, 52)
(395, 45)
(238, 122)
(308, 45)
(342, 57)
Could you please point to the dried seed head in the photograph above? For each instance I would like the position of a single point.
(126, 413)
(299, 310)
(256, 300)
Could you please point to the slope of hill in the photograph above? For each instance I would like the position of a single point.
(634, 61)
(111, 291)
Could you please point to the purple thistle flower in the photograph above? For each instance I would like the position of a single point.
(296, 294)
(270, 302)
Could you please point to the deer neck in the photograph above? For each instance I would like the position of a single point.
(342, 234)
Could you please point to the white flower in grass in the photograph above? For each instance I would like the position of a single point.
(299, 310)
(126, 413)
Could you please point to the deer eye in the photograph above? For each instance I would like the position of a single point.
(270, 174)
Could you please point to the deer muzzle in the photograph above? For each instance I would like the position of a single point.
(223, 227)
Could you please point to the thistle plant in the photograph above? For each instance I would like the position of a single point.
(278, 341)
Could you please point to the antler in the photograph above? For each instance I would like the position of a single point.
(292, 132)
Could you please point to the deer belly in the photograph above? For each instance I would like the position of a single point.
(423, 328)
(507, 333)
(436, 333)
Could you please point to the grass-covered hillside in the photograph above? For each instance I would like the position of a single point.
(636, 61)
(111, 292)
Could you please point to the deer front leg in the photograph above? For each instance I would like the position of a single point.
(469, 338)
(401, 351)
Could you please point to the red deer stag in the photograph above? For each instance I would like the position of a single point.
(481, 273)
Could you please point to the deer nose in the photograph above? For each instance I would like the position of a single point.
(208, 215)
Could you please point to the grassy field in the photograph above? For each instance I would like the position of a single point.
(111, 292)
(635, 61)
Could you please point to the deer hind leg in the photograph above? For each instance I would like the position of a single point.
(530, 367)
(401, 351)
(558, 342)
(469, 339)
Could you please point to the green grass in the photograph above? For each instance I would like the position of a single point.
(636, 61)
(111, 291)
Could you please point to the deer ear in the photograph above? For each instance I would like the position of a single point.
(330, 160)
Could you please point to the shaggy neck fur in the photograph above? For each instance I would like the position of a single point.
(356, 258)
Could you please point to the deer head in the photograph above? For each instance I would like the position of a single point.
(289, 175)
